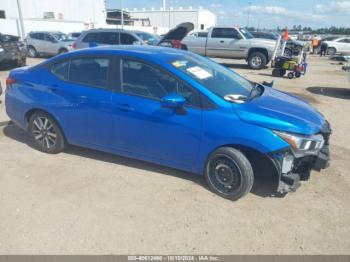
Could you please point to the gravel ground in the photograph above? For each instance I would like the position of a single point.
(87, 202)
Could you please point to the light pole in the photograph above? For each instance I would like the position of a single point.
(20, 18)
(122, 13)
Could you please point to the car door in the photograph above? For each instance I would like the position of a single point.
(50, 44)
(224, 42)
(83, 84)
(344, 45)
(143, 128)
(39, 43)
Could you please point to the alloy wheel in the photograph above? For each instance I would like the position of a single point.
(44, 132)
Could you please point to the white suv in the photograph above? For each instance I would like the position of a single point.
(339, 45)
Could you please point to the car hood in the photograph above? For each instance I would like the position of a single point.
(263, 42)
(280, 111)
(177, 33)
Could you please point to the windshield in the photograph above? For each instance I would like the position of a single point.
(246, 33)
(149, 39)
(216, 78)
(61, 37)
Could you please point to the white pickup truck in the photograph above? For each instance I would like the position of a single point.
(231, 42)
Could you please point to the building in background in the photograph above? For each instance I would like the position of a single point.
(62, 15)
(169, 18)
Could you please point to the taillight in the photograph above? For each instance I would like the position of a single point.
(10, 81)
(74, 45)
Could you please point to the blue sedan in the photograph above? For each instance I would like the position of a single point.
(173, 108)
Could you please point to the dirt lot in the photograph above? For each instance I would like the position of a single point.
(83, 201)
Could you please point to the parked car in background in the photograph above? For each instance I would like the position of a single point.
(147, 38)
(264, 35)
(176, 109)
(12, 50)
(339, 45)
(48, 43)
(100, 37)
(232, 42)
(74, 35)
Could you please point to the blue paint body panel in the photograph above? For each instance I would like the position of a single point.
(142, 128)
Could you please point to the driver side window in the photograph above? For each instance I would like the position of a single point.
(145, 80)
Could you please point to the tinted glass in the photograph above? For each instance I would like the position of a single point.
(89, 71)
(225, 33)
(91, 37)
(61, 70)
(49, 38)
(127, 39)
(145, 80)
(40, 36)
(108, 38)
(202, 34)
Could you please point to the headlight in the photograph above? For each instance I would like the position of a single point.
(302, 144)
(1, 49)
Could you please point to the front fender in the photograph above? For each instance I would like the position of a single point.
(222, 127)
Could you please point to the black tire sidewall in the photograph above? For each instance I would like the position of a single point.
(60, 142)
(263, 60)
(333, 51)
(242, 163)
(35, 53)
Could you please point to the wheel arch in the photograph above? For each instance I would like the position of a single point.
(258, 49)
(262, 163)
(30, 112)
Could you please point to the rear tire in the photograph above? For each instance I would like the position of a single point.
(32, 52)
(257, 60)
(46, 134)
(229, 173)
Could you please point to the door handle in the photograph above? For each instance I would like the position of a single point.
(125, 108)
(222, 41)
(53, 88)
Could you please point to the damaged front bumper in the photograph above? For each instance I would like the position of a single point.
(292, 169)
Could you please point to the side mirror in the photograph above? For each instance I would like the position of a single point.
(173, 101)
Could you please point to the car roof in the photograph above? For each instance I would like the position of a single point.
(150, 53)
(106, 30)
(55, 32)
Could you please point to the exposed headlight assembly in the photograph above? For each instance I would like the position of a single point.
(302, 145)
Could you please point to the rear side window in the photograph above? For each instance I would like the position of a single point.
(108, 38)
(91, 37)
(127, 39)
(61, 70)
(91, 71)
(202, 34)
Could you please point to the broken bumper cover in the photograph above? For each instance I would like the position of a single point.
(294, 169)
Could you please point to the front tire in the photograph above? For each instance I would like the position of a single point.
(62, 51)
(257, 60)
(46, 134)
(229, 173)
(331, 51)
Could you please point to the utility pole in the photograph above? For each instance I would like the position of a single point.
(122, 13)
(164, 5)
(20, 19)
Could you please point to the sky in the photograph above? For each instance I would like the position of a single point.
(261, 13)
